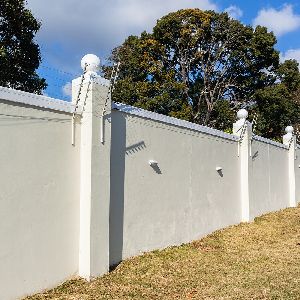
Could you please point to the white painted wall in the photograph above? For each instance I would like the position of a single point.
(268, 178)
(297, 173)
(103, 195)
(39, 196)
(181, 200)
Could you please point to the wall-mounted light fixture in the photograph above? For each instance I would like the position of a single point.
(153, 162)
(220, 171)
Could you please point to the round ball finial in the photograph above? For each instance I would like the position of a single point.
(90, 63)
(242, 114)
(289, 129)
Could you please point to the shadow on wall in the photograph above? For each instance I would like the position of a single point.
(116, 212)
(117, 162)
(135, 148)
(220, 172)
(255, 155)
(119, 151)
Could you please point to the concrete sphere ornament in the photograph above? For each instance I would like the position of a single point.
(242, 114)
(289, 129)
(90, 63)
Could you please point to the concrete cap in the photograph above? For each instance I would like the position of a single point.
(90, 63)
(242, 114)
(289, 129)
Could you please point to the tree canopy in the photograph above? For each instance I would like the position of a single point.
(202, 66)
(19, 54)
(277, 105)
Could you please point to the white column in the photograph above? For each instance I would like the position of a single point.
(243, 129)
(290, 141)
(95, 170)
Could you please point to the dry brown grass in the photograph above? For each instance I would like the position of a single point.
(260, 260)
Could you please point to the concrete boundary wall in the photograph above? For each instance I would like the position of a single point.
(270, 142)
(268, 178)
(35, 100)
(39, 194)
(172, 121)
(87, 184)
(181, 196)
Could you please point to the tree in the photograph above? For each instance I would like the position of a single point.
(195, 64)
(19, 54)
(278, 106)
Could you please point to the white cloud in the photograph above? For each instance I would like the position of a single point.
(279, 21)
(67, 89)
(72, 28)
(291, 54)
(234, 12)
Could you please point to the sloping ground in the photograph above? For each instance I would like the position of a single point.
(260, 260)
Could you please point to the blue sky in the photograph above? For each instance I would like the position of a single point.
(73, 28)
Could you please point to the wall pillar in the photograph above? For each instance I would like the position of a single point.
(243, 129)
(95, 168)
(289, 140)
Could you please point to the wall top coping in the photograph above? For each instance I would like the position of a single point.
(270, 142)
(17, 96)
(173, 121)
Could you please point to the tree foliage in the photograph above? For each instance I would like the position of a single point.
(202, 66)
(277, 105)
(19, 54)
(192, 60)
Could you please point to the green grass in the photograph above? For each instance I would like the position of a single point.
(260, 260)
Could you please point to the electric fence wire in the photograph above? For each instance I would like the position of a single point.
(113, 80)
(77, 102)
(291, 141)
(59, 82)
(74, 75)
(243, 132)
(297, 134)
(254, 123)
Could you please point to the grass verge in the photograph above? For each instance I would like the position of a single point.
(259, 260)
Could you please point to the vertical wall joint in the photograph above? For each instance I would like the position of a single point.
(243, 129)
(94, 169)
(289, 140)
